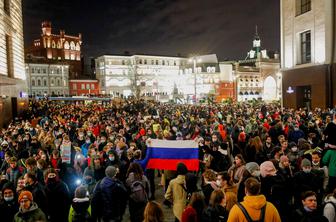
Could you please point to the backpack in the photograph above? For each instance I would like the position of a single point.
(138, 192)
(247, 216)
(329, 202)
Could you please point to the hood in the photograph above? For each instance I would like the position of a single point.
(255, 202)
(32, 208)
(80, 204)
(180, 179)
(109, 182)
(330, 199)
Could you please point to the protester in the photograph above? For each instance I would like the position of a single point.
(216, 210)
(177, 192)
(308, 210)
(28, 211)
(193, 212)
(80, 210)
(108, 201)
(329, 210)
(8, 205)
(254, 206)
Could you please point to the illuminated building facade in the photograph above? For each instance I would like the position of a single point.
(257, 76)
(61, 48)
(308, 53)
(160, 77)
(47, 79)
(13, 86)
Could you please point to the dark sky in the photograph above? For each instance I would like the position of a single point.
(161, 27)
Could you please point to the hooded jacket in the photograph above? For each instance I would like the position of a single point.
(253, 205)
(177, 195)
(31, 215)
(80, 206)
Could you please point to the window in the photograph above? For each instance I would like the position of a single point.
(33, 82)
(157, 62)
(305, 47)
(145, 61)
(302, 6)
(123, 62)
(38, 82)
(152, 62)
(92, 86)
(163, 62)
(58, 82)
(7, 6)
(74, 86)
(83, 86)
(9, 50)
(87, 86)
(44, 82)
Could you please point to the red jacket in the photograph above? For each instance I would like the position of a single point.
(189, 215)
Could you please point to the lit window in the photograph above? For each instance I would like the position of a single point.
(74, 86)
(92, 86)
(83, 86)
(87, 86)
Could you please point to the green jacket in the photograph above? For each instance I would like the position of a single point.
(79, 203)
(329, 159)
(32, 215)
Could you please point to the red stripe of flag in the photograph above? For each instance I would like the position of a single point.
(170, 164)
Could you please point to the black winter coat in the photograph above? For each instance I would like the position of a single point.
(8, 210)
(58, 200)
(109, 200)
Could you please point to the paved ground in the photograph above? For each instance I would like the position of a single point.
(159, 197)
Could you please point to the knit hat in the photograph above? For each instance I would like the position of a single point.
(110, 171)
(291, 144)
(284, 158)
(8, 186)
(181, 169)
(267, 169)
(252, 167)
(305, 163)
(88, 172)
(25, 195)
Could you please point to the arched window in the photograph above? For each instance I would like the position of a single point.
(59, 44)
(44, 82)
(38, 82)
(77, 47)
(52, 82)
(33, 82)
(53, 44)
(72, 45)
(66, 45)
(58, 82)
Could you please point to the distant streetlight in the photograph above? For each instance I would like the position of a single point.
(279, 75)
(195, 60)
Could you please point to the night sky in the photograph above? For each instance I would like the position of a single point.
(160, 27)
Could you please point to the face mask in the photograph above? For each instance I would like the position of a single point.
(111, 158)
(81, 134)
(315, 164)
(88, 141)
(218, 183)
(7, 199)
(294, 149)
(103, 141)
(306, 170)
(89, 133)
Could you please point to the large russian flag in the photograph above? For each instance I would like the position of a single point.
(166, 154)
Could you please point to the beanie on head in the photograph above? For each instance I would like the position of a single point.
(25, 195)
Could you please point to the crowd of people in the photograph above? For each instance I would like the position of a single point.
(83, 162)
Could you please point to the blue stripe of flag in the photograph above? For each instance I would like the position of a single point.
(173, 153)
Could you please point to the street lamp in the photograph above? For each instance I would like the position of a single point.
(279, 80)
(195, 60)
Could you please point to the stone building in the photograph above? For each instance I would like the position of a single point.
(160, 77)
(61, 48)
(47, 79)
(13, 86)
(308, 53)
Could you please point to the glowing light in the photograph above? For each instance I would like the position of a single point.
(269, 89)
